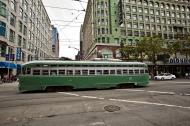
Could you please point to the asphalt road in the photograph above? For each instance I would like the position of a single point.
(162, 103)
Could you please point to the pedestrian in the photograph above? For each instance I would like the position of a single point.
(186, 75)
(1, 79)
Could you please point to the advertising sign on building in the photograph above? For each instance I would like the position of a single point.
(18, 54)
(179, 61)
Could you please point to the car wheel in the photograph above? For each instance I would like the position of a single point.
(162, 78)
(172, 78)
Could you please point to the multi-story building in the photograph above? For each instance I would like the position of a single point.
(111, 22)
(24, 31)
(55, 41)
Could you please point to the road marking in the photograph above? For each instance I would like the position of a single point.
(101, 98)
(69, 93)
(149, 103)
(97, 123)
(89, 97)
(161, 92)
(131, 90)
(136, 102)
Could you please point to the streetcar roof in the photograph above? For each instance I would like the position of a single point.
(86, 62)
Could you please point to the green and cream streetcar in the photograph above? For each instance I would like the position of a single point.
(56, 75)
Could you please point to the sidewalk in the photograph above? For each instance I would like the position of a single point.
(15, 83)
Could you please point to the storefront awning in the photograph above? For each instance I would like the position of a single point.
(8, 65)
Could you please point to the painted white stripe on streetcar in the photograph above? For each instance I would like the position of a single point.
(149, 103)
(69, 93)
(160, 92)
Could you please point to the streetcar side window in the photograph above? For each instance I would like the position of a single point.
(84, 72)
(69, 72)
(141, 71)
(45, 72)
(112, 72)
(146, 71)
(136, 71)
(77, 72)
(28, 71)
(125, 71)
(61, 72)
(92, 72)
(53, 72)
(119, 72)
(36, 72)
(98, 72)
(106, 72)
(130, 71)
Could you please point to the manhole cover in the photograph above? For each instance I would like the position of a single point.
(112, 108)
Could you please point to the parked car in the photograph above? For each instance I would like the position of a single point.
(165, 76)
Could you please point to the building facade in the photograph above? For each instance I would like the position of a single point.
(55, 41)
(108, 23)
(24, 31)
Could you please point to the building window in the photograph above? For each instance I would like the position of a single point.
(20, 26)
(145, 3)
(25, 5)
(12, 20)
(140, 9)
(11, 36)
(151, 4)
(152, 19)
(140, 17)
(2, 29)
(134, 17)
(148, 27)
(21, 13)
(13, 5)
(173, 7)
(129, 25)
(162, 13)
(2, 9)
(162, 5)
(156, 4)
(129, 33)
(151, 11)
(25, 30)
(25, 18)
(19, 41)
(157, 12)
(167, 6)
(134, 9)
(128, 16)
(141, 26)
(139, 2)
(146, 10)
(173, 14)
(168, 13)
(135, 25)
(146, 18)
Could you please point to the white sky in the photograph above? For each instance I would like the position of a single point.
(69, 34)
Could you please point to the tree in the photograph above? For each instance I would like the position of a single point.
(153, 47)
(185, 49)
(141, 47)
(174, 48)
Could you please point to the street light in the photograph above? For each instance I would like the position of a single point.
(78, 56)
(74, 48)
